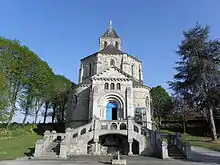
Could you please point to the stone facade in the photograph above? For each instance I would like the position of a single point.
(109, 111)
(110, 75)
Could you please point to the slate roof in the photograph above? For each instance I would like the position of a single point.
(110, 49)
(110, 32)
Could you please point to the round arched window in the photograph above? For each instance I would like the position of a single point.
(106, 86)
(116, 44)
(105, 44)
(132, 69)
(112, 62)
(118, 86)
(112, 86)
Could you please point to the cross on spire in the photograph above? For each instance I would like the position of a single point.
(110, 23)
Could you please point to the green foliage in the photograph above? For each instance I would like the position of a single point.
(61, 87)
(197, 140)
(28, 81)
(198, 74)
(161, 102)
(3, 98)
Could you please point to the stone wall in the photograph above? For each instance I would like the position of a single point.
(141, 99)
(100, 62)
(101, 96)
(78, 105)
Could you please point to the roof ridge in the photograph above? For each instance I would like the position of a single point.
(111, 49)
(116, 68)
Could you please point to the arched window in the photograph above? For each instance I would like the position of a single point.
(132, 69)
(112, 62)
(105, 44)
(106, 86)
(90, 69)
(112, 86)
(116, 44)
(118, 86)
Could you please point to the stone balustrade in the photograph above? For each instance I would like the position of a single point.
(113, 125)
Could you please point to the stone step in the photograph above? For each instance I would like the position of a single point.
(175, 153)
(49, 153)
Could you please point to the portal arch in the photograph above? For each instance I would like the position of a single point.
(116, 99)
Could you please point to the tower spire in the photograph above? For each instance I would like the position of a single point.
(110, 24)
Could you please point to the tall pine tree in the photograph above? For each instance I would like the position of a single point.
(198, 74)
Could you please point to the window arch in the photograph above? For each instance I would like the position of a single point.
(132, 69)
(106, 86)
(118, 86)
(90, 69)
(112, 62)
(105, 44)
(112, 86)
(116, 44)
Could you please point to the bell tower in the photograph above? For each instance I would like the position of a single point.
(110, 37)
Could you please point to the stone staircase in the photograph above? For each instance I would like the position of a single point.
(51, 152)
(175, 153)
(76, 141)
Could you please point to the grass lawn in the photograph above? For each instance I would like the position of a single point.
(199, 141)
(14, 142)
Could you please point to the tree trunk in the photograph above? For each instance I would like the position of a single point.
(159, 121)
(35, 117)
(62, 115)
(25, 117)
(13, 100)
(45, 113)
(212, 124)
(11, 114)
(184, 123)
(27, 108)
(54, 113)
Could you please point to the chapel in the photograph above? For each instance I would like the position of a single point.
(110, 86)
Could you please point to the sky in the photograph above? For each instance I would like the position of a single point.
(62, 32)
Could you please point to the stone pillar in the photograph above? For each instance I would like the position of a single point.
(164, 152)
(96, 148)
(96, 136)
(187, 149)
(38, 148)
(130, 127)
(129, 99)
(68, 137)
(130, 148)
(47, 139)
(63, 150)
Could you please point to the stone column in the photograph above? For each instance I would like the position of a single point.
(96, 148)
(96, 136)
(63, 150)
(130, 149)
(130, 129)
(164, 153)
(68, 137)
(187, 149)
(38, 148)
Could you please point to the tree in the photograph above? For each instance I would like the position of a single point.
(198, 74)
(61, 89)
(3, 98)
(181, 111)
(161, 102)
(37, 78)
(14, 66)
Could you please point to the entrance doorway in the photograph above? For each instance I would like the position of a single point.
(111, 111)
(114, 113)
(112, 143)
